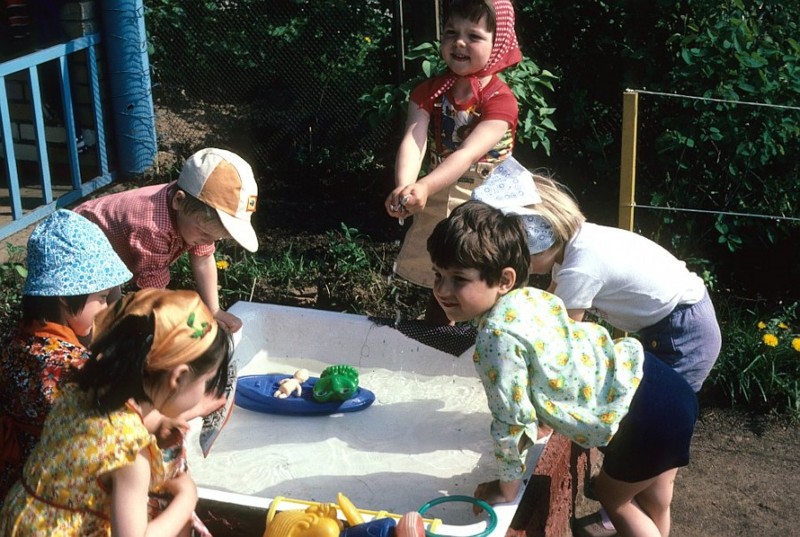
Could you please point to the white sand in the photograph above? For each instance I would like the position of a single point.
(426, 435)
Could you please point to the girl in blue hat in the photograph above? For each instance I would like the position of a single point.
(71, 270)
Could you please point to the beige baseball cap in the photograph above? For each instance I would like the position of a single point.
(223, 180)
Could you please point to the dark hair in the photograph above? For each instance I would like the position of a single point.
(472, 10)
(117, 369)
(48, 308)
(478, 236)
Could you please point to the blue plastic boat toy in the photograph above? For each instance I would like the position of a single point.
(256, 392)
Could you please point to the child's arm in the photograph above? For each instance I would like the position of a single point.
(410, 156)
(204, 270)
(129, 486)
(480, 141)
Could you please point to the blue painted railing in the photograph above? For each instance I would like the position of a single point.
(79, 187)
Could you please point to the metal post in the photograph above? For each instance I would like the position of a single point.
(627, 174)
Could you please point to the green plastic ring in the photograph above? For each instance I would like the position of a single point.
(469, 499)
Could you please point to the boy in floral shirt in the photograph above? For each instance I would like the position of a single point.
(538, 365)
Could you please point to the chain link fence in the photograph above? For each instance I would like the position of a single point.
(277, 81)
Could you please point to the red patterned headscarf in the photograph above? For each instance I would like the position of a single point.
(505, 50)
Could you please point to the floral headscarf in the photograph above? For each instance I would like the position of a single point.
(184, 326)
(505, 50)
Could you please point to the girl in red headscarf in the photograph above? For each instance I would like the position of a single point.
(468, 116)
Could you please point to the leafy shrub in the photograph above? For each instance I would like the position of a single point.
(738, 158)
(12, 282)
(760, 361)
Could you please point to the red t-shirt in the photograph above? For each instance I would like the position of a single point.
(458, 119)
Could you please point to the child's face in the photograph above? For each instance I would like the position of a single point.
(193, 232)
(542, 263)
(466, 45)
(187, 393)
(82, 322)
(463, 294)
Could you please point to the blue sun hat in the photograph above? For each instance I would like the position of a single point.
(68, 255)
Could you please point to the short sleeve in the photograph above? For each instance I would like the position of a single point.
(576, 289)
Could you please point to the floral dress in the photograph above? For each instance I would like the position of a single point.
(32, 363)
(61, 493)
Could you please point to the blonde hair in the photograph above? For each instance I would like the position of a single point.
(558, 207)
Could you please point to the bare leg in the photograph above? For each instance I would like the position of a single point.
(639, 509)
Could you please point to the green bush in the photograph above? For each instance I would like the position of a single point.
(735, 158)
(759, 366)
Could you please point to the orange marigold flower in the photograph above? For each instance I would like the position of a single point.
(770, 340)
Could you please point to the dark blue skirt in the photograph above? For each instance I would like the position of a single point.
(656, 433)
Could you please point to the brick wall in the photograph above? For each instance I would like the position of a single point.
(557, 485)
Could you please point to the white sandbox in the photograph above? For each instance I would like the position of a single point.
(425, 436)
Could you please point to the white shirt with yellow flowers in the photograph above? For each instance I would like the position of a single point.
(537, 363)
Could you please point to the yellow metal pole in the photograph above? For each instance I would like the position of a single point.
(627, 172)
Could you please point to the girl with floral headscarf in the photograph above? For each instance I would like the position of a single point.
(468, 117)
(156, 354)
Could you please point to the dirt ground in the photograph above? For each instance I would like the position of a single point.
(742, 478)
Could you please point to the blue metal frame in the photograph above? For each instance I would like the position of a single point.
(80, 188)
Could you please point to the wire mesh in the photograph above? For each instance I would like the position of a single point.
(275, 80)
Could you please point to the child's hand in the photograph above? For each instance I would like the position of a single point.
(170, 432)
(182, 487)
(408, 200)
(231, 323)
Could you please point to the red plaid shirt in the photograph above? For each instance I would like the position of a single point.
(141, 226)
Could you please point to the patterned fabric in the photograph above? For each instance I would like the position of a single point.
(536, 363)
(78, 445)
(511, 188)
(452, 122)
(184, 328)
(68, 255)
(505, 50)
(175, 463)
(141, 226)
(34, 360)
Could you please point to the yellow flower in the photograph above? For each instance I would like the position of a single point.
(222, 264)
(796, 344)
(367, 39)
(783, 326)
(770, 340)
(511, 315)
(761, 325)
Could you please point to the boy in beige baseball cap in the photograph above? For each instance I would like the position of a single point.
(214, 198)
